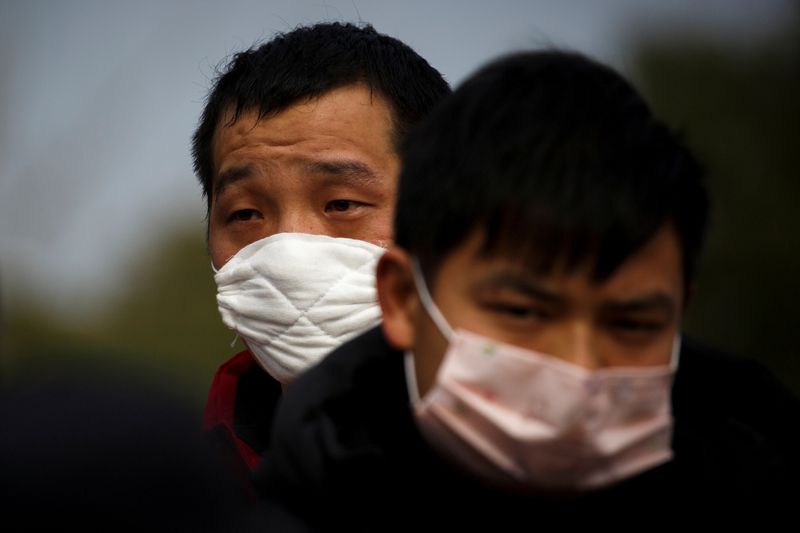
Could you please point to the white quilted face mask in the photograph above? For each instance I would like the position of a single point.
(294, 297)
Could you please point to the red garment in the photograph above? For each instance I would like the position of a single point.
(221, 406)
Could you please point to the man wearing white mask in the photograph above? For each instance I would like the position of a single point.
(530, 369)
(296, 151)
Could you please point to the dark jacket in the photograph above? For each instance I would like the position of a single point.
(347, 455)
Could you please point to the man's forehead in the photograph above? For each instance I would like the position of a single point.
(357, 158)
(232, 125)
(249, 116)
(350, 114)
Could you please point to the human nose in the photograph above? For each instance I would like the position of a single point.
(299, 221)
(576, 343)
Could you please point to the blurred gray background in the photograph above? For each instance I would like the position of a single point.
(102, 252)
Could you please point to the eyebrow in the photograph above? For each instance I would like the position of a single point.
(231, 176)
(659, 302)
(521, 284)
(655, 302)
(349, 171)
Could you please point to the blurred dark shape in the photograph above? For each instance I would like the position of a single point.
(740, 113)
(164, 320)
(105, 448)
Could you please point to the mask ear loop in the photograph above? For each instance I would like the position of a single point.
(411, 378)
(676, 350)
(438, 319)
(427, 301)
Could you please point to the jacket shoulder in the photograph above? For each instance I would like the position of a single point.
(727, 381)
(328, 417)
(740, 413)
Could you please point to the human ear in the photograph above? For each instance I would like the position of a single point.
(397, 296)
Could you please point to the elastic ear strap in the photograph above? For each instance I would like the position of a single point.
(411, 378)
(676, 350)
(427, 301)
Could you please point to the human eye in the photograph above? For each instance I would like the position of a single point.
(636, 329)
(518, 312)
(244, 215)
(343, 206)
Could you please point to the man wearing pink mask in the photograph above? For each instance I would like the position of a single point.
(530, 367)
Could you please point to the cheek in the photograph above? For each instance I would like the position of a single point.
(671, 344)
(384, 234)
(429, 349)
(218, 258)
(219, 248)
(655, 353)
(225, 240)
(376, 228)
(669, 339)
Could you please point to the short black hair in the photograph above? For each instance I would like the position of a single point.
(557, 159)
(307, 63)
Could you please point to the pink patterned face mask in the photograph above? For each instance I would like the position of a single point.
(519, 417)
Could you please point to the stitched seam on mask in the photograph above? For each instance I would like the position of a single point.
(303, 312)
